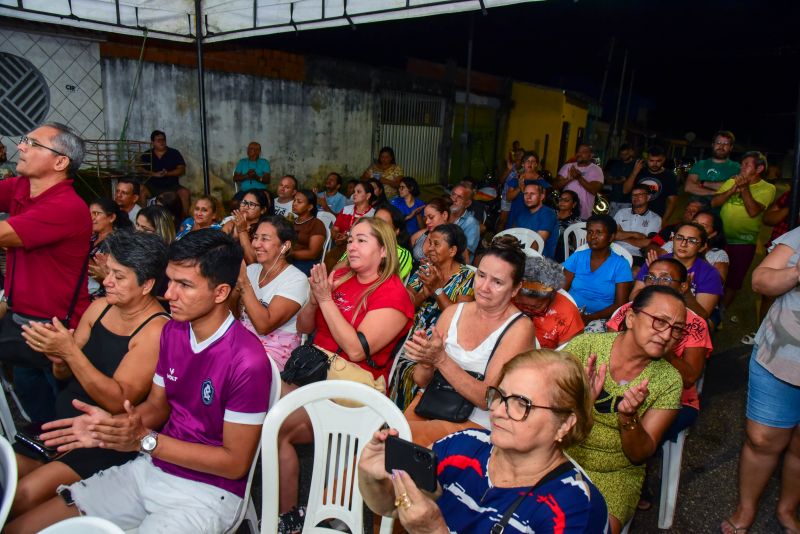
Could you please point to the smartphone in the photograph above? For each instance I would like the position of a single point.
(420, 463)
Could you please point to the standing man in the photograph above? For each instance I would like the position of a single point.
(460, 216)
(287, 187)
(126, 195)
(743, 198)
(616, 172)
(331, 199)
(583, 177)
(638, 224)
(251, 172)
(708, 174)
(200, 425)
(47, 238)
(164, 165)
(539, 218)
(662, 183)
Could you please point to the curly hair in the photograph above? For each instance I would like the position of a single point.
(547, 276)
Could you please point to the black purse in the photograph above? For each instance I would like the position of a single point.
(29, 437)
(441, 401)
(306, 365)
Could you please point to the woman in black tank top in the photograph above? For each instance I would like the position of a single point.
(109, 358)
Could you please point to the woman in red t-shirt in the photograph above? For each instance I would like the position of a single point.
(362, 311)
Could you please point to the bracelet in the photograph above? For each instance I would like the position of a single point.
(631, 423)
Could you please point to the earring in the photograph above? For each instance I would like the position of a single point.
(558, 439)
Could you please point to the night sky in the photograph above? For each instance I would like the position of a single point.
(700, 65)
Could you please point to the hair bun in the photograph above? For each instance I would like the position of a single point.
(507, 242)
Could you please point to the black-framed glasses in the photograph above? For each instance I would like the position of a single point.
(517, 407)
(247, 204)
(25, 140)
(662, 325)
(659, 280)
(682, 238)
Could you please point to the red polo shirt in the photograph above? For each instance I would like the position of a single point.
(54, 228)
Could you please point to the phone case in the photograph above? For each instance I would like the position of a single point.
(420, 463)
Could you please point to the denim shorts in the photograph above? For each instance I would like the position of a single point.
(771, 401)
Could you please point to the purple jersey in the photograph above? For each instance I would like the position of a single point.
(225, 378)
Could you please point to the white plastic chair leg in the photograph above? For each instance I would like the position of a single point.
(627, 526)
(670, 479)
(251, 518)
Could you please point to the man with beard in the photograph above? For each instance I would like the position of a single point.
(637, 224)
(617, 172)
(583, 177)
(708, 175)
(662, 183)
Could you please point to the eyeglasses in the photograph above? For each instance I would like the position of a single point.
(723, 143)
(25, 140)
(659, 280)
(517, 407)
(662, 325)
(247, 204)
(682, 238)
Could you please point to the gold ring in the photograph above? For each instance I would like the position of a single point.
(403, 501)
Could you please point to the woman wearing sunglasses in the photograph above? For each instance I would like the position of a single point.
(541, 406)
(705, 282)
(639, 398)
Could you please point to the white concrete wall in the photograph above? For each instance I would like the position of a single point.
(303, 129)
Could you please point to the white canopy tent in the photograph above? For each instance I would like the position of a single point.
(228, 19)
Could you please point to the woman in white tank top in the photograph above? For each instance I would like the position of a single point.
(467, 335)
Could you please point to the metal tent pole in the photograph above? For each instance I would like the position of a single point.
(794, 203)
(201, 93)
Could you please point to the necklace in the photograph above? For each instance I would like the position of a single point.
(298, 221)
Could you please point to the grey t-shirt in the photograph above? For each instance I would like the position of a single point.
(777, 340)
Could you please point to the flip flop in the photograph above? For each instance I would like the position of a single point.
(733, 528)
(749, 339)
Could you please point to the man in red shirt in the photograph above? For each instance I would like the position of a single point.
(47, 238)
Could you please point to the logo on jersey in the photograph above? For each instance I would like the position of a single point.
(171, 374)
(207, 392)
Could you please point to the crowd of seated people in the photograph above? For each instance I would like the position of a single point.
(574, 366)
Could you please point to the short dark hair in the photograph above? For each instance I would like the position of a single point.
(509, 249)
(389, 150)
(644, 296)
(640, 187)
(338, 178)
(156, 133)
(606, 220)
(535, 184)
(145, 254)
(283, 227)
(726, 134)
(760, 159)
(109, 207)
(411, 184)
(291, 177)
(656, 150)
(261, 196)
(398, 222)
(454, 236)
(683, 274)
(216, 253)
(137, 185)
(311, 198)
(625, 146)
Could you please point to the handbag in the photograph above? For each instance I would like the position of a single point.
(29, 436)
(306, 365)
(441, 401)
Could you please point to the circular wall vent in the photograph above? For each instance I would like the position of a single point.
(24, 96)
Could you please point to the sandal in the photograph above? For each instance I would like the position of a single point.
(734, 319)
(733, 529)
(749, 339)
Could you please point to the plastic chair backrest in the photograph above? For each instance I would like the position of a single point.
(274, 397)
(617, 249)
(527, 237)
(327, 217)
(83, 525)
(340, 434)
(576, 230)
(327, 245)
(8, 463)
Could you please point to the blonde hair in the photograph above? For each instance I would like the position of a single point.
(215, 205)
(570, 388)
(389, 265)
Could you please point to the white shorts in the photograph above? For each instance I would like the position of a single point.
(139, 494)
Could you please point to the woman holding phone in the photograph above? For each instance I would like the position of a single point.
(541, 405)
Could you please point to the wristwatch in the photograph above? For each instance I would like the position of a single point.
(149, 443)
(438, 291)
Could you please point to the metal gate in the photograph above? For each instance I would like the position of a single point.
(412, 125)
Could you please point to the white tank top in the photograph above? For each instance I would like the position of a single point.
(473, 360)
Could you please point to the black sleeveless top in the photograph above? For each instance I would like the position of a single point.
(105, 351)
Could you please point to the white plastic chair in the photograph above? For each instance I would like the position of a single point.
(327, 246)
(8, 464)
(672, 452)
(576, 230)
(327, 217)
(617, 249)
(340, 434)
(7, 424)
(627, 526)
(83, 525)
(527, 237)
